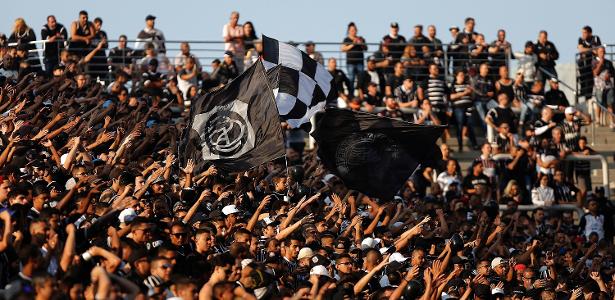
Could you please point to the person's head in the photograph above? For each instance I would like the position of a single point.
(291, 247)
(352, 29)
(20, 26)
(343, 264)
(483, 267)
(417, 259)
(44, 285)
(539, 213)
(81, 80)
(469, 24)
(418, 30)
(83, 17)
(431, 31)
(499, 266)
(228, 58)
(332, 64)
(161, 267)
(97, 23)
(434, 70)
(544, 181)
(394, 29)
(180, 234)
(477, 168)
(586, 32)
(592, 206)
(547, 113)
(486, 149)
(425, 105)
(503, 71)
(451, 166)
(445, 150)
(582, 142)
(185, 48)
(543, 36)
(40, 195)
(501, 35)
(600, 52)
(503, 100)
(223, 266)
(189, 64)
(504, 129)
(309, 47)
(5, 189)
(141, 230)
(17, 196)
(483, 70)
(51, 22)
(390, 102)
(529, 47)
(460, 77)
(122, 41)
(529, 276)
(248, 29)
(185, 288)
(150, 21)
(203, 240)
(39, 230)
(557, 134)
(242, 235)
(234, 19)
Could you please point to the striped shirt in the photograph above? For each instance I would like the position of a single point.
(436, 92)
(572, 132)
(464, 101)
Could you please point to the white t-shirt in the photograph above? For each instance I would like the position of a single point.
(233, 46)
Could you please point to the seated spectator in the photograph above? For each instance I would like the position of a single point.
(164, 65)
(406, 94)
(543, 194)
(181, 57)
(484, 92)
(535, 100)
(228, 69)
(514, 192)
(384, 59)
(188, 76)
(342, 83)
(415, 65)
(391, 109)
(425, 115)
(545, 124)
(571, 126)
(555, 98)
(372, 98)
(121, 56)
(504, 140)
(500, 115)
(596, 222)
(395, 79)
(451, 176)
(564, 191)
(474, 179)
(371, 75)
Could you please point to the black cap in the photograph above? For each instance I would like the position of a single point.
(229, 53)
(150, 17)
(394, 25)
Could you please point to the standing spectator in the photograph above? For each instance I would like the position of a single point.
(547, 55)
(597, 222)
(414, 64)
(435, 90)
(555, 98)
(452, 175)
(479, 52)
(81, 35)
(151, 34)
(164, 66)
(354, 46)
(187, 76)
(604, 88)
(582, 170)
(571, 126)
(543, 194)
(396, 42)
(121, 56)
(249, 35)
(22, 34)
(233, 35)
(98, 64)
(499, 115)
(418, 40)
(312, 53)
(505, 84)
(586, 46)
(461, 99)
(527, 63)
(453, 46)
(426, 115)
(468, 31)
(544, 125)
(180, 58)
(384, 59)
(483, 90)
(56, 35)
(500, 51)
(340, 79)
(435, 43)
(565, 192)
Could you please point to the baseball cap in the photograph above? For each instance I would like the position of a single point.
(229, 53)
(394, 25)
(369, 242)
(497, 261)
(230, 209)
(553, 79)
(150, 17)
(318, 259)
(320, 270)
(397, 257)
(570, 110)
(305, 253)
(127, 215)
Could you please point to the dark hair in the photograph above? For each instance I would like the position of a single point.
(468, 19)
(83, 13)
(253, 35)
(587, 28)
(123, 36)
(50, 16)
(98, 20)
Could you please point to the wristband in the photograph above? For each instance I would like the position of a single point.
(86, 256)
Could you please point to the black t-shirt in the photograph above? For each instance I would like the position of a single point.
(395, 81)
(340, 78)
(501, 115)
(355, 54)
(396, 45)
(52, 49)
(549, 49)
(557, 98)
(471, 181)
(373, 100)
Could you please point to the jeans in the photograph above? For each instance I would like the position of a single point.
(482, 108)
(463, 119)
(353, 70)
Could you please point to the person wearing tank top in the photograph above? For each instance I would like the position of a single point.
(461, 98)
(504, 83)
(81, 34)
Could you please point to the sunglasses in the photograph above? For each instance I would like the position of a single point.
(179, 234)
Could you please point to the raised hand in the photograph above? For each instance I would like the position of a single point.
(189, 167)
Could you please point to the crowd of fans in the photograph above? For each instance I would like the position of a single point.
(96, 206)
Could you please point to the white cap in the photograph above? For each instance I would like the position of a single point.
(497, 261)
(397, 257)
(319, 270)
(570, 110)
(127, 215)
(497, 291)
(369, 242)
(305, 253)
(246, 262)
(230, 209)
(328, 178)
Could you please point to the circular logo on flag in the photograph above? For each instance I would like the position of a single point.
(226, 133)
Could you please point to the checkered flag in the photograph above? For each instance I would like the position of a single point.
(301, 85)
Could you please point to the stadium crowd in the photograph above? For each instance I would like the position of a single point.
(96, 206)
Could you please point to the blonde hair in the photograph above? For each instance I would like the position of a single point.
(509, 187)
(20, 26)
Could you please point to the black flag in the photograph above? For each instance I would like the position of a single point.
(235, 128)
(374, 155)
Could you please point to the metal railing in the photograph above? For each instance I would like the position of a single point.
(557, 207)
(601, 116)
(604, 165)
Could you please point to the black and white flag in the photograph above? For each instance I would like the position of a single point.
(301, 85)
(235, 128)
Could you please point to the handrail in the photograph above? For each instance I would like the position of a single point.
(574, 91)
(557, 207)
